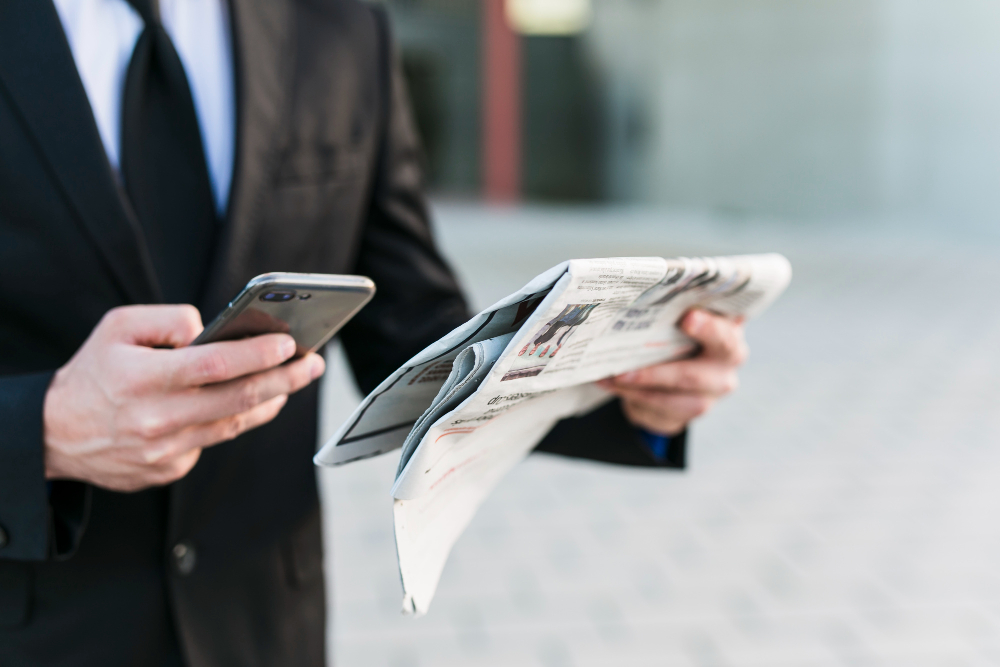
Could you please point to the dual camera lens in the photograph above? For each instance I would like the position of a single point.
(280, 295)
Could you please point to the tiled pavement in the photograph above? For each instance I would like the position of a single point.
(843, 508)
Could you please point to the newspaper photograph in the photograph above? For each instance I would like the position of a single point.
(549, 340)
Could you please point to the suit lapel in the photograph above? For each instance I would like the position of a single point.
(262, 40)
(38, 72)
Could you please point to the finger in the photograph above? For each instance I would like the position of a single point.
(690, 376)
(687, 405)
(720, 337)
(152, 326)
(223, 430)
(199, 436)
(219, 401)
(162, 415)
(199, 365)
(665, 413)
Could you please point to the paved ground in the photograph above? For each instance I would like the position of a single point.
(842, 509)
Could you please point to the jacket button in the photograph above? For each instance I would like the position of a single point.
(4, 538)
(185, 558)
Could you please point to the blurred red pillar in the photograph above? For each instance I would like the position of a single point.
(501, 107)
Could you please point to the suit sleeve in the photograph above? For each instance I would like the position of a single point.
(606, 435)
(418, 299)
(37, 523)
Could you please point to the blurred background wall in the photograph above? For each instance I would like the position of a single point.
(840, 509)
(808, 110)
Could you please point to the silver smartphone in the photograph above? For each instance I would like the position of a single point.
(311, 307)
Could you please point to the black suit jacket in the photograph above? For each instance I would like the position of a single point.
(327, 179)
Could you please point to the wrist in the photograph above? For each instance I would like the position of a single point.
(54, 428)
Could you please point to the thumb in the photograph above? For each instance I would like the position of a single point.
(153, 326)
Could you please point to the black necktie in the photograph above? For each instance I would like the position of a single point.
(163, 162)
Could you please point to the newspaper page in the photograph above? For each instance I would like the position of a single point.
(497, 385)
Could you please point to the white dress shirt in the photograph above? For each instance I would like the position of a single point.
(102, 35)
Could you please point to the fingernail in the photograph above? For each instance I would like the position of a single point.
(317, 368)
(631, 376)
(287, 347)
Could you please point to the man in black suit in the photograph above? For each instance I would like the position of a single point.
(126, 537)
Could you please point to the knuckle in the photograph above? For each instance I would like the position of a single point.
(249, 395)
(232, 427)
(291, 379)
(154, 456)
(211, 367)
(151, 426)
(688, 378)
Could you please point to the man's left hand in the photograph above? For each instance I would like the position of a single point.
(664, 398)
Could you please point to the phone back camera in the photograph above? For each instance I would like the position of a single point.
(278, 295)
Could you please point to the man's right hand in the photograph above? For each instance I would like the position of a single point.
(135, 405)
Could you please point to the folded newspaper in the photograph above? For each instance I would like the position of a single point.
(469, 407)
